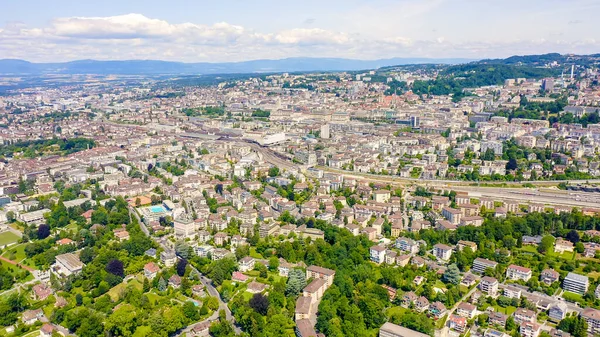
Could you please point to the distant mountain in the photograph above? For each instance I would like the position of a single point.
(151, 67)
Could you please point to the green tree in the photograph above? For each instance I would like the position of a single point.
(452, 274)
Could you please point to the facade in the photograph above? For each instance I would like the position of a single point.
(576, 283)
(407, 245)
(377, 254)
(321, 273)
(592, 317)
(392, 330)
(518, 273)
(480, 265)
(489, 286)
(529, 329)
(67, 264)
(442, 251)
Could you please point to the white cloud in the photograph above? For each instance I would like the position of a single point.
(135, 36)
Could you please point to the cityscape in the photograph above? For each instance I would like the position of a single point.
(313, 194)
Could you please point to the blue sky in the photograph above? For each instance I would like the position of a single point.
(237, 30)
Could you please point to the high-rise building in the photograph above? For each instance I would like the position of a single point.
(547, 84)
(325, 132)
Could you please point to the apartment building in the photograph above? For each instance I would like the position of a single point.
(480, 265)
(442, 251)
(320, 273)
(489, 286)
(518, 273)
(576, 283)
(407, 245)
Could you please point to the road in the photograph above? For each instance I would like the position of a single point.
(208, 284)
(444, 331)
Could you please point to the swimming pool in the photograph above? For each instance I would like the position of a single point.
(157, 209)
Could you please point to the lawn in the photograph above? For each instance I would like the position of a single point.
(7, 238)
(18, 250)
(116, 290)
(507, 311)
(395, 310)
(572, 297)
(254, 254)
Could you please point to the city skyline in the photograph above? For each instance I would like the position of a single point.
(239, 31)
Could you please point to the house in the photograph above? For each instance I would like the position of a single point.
(320, 273)
(512, 291)
(66, 265)
(303, 308)
(377, 254)
(421, 304)
(175, 281)
(200, 329)
(497, 318)
(463, 244)
(315, 289)
(524, 315)
(402, 260)
(592, 317)
(168, 258)
(46, 330)
(390, 257)
(489, 286)
(437, 309)
(458, 323)
(151, 270)
(256, 287)
(561, 245)
(466, 310)
(408, 298)
(64, 242)
(557, 311)
(237, 276)
(529, 329)
(29, 317)
(284, 268)
(549, 276)
(518, 273)
(246, 264)
(407, 245)
(468, 280)
(304, 328)
(558, 333)
(442, 251)
(198, 290)
(41, 291)
(576, 283)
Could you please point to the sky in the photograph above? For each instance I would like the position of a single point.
(240, 30)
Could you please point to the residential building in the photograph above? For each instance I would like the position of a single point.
(377, 254)
(458, 323)
(392, 330)
(524, 315)
(576, 283)
(480, 265)
(557, 311)
(549, 276)
(592, 317)
(407, 245)
(529, 329)
(518, 273)
(489, 286)
(512, 291)
(246, 264)
(442, 251)
(320, 273)
(466, 310)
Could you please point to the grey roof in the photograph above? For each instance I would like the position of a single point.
(576, 277)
